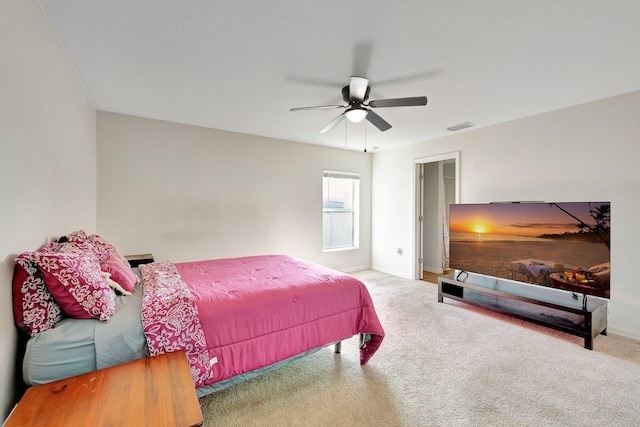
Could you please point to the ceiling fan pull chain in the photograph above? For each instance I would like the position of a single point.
(345, 134)
(365, 137)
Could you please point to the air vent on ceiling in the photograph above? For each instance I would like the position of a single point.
(460, 126)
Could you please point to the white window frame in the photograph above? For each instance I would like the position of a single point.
(355, 177)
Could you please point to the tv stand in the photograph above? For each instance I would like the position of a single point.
(553, 308)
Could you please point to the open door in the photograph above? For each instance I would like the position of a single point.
(420, 215)
(437, 186)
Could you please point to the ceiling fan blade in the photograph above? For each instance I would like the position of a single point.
(378, 121)
(333, 123)
(358, 88)
(399, 102)
(319, 107)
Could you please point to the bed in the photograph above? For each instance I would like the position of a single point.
(236, 318)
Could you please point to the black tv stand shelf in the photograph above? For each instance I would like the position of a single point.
(560, 310)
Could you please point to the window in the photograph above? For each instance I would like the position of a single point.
(340, 202)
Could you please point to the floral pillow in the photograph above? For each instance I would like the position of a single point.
(34, 308)
(77, 236)
(105, 250)
(51, 247)
(118, 267)
(76, 283)
(77, 247)
(78, 241)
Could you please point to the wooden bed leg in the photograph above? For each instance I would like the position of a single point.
(337, 347)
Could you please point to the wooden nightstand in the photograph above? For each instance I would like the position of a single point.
(136, 260)
(156, 391)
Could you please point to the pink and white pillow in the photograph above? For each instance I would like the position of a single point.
(120, 273)
(78, 247)
(51, 247)
(115, 285)
(76, 283)
(34, 308)
(77, 236)
(101, 248)
(110, 259)
(66, 277)
(105, 250)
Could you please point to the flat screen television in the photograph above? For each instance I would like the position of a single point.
(559, 245)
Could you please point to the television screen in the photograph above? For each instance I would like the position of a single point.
(559, 245)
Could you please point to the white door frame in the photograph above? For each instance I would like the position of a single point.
(418, 204)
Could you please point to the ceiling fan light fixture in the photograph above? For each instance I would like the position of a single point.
(356, 115)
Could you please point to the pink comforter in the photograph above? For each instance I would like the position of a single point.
(256, 311)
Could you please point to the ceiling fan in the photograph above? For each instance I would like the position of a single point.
(357, 108)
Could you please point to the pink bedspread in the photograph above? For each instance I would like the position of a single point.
(256, 311)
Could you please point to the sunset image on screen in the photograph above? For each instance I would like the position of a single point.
(517, 219)
(529, 241)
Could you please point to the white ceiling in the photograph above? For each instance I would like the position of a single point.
(241, 65)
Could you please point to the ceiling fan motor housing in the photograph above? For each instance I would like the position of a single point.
(348, 100)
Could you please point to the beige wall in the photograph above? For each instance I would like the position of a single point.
(186, 193)
(47, 155)
(582, 153)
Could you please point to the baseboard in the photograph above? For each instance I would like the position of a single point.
(434, 270)
(352, 269)
(393, 273)
(624, 333)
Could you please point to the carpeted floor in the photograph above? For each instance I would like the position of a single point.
(444, 364)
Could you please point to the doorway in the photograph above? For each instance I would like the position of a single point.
(437, 186)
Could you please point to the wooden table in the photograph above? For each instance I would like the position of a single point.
(157, 391)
